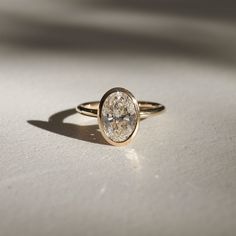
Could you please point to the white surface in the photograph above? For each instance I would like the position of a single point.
(176, 178)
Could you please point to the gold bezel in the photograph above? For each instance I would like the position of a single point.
(100, 123)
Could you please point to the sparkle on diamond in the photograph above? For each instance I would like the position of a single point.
(119, 116)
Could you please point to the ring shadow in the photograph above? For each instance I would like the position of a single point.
(55, 124)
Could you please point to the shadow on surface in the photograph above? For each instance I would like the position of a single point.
(210, 9)
(193, 41)
(55, 124)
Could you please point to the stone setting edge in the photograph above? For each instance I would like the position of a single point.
(100, 123)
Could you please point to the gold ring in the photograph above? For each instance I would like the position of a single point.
(119, 114)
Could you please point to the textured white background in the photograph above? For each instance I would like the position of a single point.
(58, 178)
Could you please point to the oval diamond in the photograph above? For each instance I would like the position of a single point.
(119, 114)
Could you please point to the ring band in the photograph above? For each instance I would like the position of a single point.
(119, 114)
(146, 108)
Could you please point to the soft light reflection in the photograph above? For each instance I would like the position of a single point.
(134, 159)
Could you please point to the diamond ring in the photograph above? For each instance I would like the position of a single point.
(119, 114)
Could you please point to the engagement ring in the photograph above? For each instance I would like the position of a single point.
(119, 114)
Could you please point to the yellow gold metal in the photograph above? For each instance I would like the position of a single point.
(143, 109)
(146, 108)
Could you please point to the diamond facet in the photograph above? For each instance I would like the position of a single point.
(119, 116)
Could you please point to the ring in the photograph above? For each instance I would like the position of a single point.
(119, 114)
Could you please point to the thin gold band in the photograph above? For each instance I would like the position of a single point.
(146, 108)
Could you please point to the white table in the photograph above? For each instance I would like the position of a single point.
(58, 178)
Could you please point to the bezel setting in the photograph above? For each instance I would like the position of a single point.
(128, 105)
